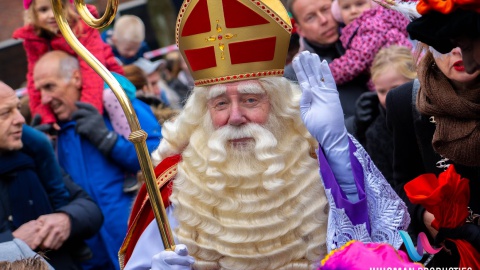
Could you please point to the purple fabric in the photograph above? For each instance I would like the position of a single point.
(357, 212)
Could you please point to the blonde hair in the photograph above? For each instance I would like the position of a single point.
(176, 134)
(395, 57)
(30, 18)
(129, 28)
(34, 263)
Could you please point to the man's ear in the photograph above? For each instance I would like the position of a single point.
(299, 29)
(77, 79)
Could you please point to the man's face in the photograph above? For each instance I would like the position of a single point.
(315, 21)
(470, 53)
(58, 93)
(11, 120)
(153, 82)
(237, 104)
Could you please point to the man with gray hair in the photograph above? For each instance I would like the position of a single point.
(29, 215)
(90, 151)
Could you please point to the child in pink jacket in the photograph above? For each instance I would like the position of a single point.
(369, 28)
(41, 34)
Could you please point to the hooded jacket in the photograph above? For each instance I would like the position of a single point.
(376, 28)
(102, 177)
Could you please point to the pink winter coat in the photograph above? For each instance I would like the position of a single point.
(92, 83)
(364, 37)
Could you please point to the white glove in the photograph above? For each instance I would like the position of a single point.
(322, 114)
(169, 260)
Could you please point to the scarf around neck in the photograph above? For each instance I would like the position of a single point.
(456, 115)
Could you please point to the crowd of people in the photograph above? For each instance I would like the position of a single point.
(269, 152)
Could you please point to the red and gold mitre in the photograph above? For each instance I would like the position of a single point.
(231, 40)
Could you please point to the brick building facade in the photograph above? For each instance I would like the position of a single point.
(13, 64)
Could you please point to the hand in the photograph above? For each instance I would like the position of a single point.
(320, 106)
(169, 260)
(49, 129)
(56, 228)
(322, 114)
(30, 233)
(469, 232)
(428, 218)
(90, 124)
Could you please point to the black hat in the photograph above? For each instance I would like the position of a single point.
(437, 29)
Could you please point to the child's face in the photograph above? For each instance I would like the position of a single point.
(127, 49)
(386, 81)
(45, 17)
(352, 9)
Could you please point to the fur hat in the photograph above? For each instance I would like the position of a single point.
(437, 29)
(437, 22)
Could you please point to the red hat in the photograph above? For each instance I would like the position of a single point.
(27, 3)
(232, 40)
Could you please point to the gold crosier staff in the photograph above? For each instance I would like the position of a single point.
(138, 136)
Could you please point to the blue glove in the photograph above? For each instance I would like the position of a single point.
(322, 114)
(169, 260)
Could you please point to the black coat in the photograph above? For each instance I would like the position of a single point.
(414, 155)
(379, 145)
(348, 92)
(23, 198)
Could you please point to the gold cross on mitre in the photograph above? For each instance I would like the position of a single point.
(220, 37)
(229, 40)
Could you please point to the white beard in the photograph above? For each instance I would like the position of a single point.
(255, 205)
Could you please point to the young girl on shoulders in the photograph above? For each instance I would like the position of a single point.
(41, 34)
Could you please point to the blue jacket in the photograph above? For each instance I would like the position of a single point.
(102, 177)
(24, 197)
(39, 147)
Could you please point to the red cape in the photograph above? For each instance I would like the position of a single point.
(142, 214)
